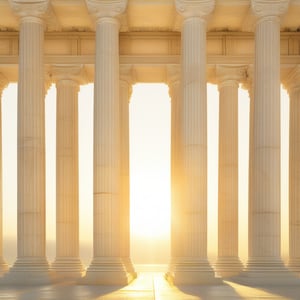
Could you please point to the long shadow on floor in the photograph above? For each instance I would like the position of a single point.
(290, 292)
(210, 292)
(57, 292)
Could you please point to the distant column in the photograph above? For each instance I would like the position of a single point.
(293, 86)
(228, 262)
(192, 267)
(176, 152)
(125, 94)
(3, 265)
(31, 266)
(248, 85)
(264, 264)
(107, 266)
(67, 263)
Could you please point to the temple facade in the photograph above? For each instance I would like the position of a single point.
(186, 44)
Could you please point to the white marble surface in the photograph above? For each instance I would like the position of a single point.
(150, 286)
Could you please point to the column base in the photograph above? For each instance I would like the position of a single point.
(3, 267)
(264, 271)
(29, 271)
(68, 268)
(228, 266)
(191, 272)
(107, 271)
(129, 267)
(294, 265)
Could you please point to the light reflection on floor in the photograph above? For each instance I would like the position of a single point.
(149, 285)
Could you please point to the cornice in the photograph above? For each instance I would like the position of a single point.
(264, 8)
(30, 8)
(51, 20)
(106, 8)
(232, 2)
(223, 48)
(194, 8)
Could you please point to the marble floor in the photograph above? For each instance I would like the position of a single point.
(149, 285)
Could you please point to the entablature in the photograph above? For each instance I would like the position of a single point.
(148, 52)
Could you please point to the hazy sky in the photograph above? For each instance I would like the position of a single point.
(150, 167)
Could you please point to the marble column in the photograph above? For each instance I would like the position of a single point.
(292, 84)
(248, 85)
(173, 81)
(228, 263)
(265, 265)
(192, 267)
(31, 266)
(68, 78)
(125, 94)
(3, 266)
(107, 266)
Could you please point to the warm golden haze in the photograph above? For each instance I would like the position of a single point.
(213, 194)
(145, 101)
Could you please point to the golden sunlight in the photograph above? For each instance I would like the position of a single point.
(150, 161)
(150, 214)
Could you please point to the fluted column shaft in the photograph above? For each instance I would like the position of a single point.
(67, 262)
(293, 87)
(125, 94)
(228, 263)
(31, 265)
(228, 169)
(176, 102)
(31, 141)
(264, 264)
(248, 85)
(264, 210)
(107, 266)
(194, 138)
(3, 265)
(67, 229)
(192, 267)
(106, 142)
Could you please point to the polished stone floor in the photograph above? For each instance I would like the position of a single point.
(149, 285)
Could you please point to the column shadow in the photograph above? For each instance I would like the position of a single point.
(210, 292)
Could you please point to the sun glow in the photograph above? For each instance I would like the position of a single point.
(150, 216)
(150, 161)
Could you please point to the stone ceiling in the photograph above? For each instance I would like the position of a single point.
(151, 15)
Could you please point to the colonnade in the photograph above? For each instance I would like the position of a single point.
(111, 263)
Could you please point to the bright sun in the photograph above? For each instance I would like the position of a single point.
(150, 161)
(150, 216)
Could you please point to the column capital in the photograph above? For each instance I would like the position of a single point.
(226, 74)
(106, 8)
(173, 74)
(32, 8)
(247, 84)
(126, 77)
(3, 82)
(268, 8)
(173, 79)
(194, 8)
(69, 72)
(48, 79)
(292, 81)
(126, 74)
